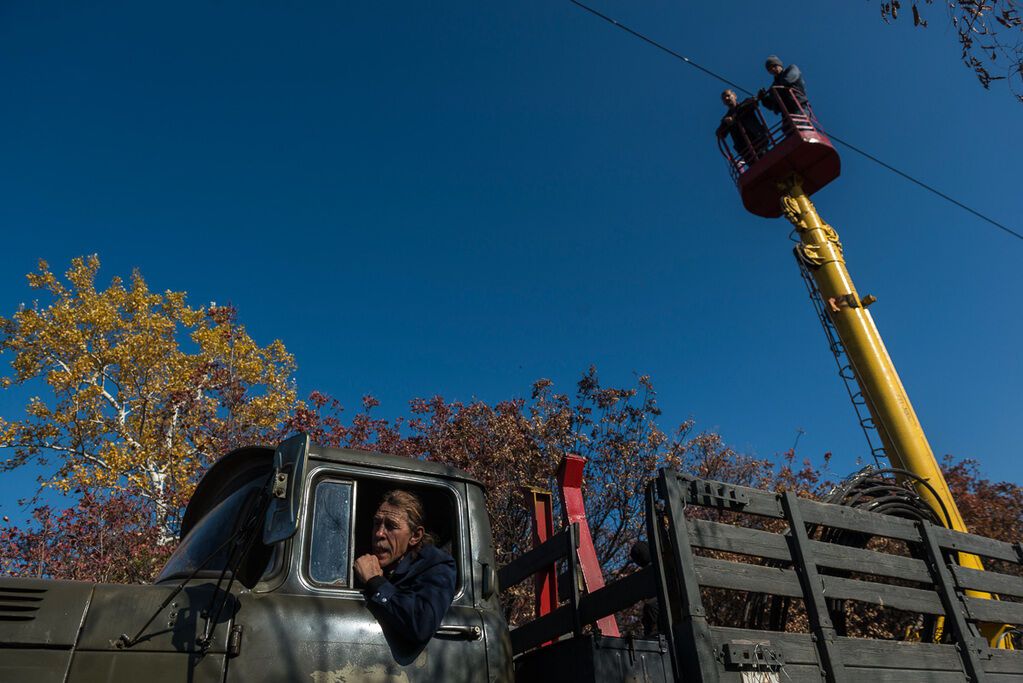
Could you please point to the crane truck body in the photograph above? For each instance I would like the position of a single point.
(227, 610)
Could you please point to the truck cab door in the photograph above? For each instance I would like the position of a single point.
(315, 624)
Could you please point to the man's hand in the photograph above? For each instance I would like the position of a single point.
(366, 567)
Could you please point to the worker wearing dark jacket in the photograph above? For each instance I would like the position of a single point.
(409, 582)
(742, 123)
(788, 83)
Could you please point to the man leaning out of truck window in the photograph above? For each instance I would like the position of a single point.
(409, 580)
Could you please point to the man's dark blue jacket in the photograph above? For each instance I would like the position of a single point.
(793, 90)
(415, 595)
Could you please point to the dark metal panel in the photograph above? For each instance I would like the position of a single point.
(813, 595)
(118, 609)
(898, 597)
(374, 462)
(590, 659)
(841, 517)
(40, 613)
(484, 572)
(151, 667)
(33, 666)
(747, 577)
(318, 638)
(989, 581)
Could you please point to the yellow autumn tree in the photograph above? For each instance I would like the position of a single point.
(137, 391)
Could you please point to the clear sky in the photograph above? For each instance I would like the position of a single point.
(462, 197)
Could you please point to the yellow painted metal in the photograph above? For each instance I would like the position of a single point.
(893, 415)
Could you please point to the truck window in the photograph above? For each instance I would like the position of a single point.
(331, 542)
(441, 508)
(209, 534)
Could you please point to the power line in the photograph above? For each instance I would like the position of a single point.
(837, 139)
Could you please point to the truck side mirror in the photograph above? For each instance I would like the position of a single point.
(282, 513)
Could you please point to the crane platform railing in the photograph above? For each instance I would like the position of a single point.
(794, 116)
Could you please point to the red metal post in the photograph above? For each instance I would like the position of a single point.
(570, 481)
(541, 508)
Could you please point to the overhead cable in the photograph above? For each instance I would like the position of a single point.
(837, 139)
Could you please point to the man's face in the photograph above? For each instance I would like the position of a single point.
(729, 99)
(774, 69)
(392, 535)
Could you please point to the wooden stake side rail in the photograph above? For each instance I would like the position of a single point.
(783, 558)
(789, 562)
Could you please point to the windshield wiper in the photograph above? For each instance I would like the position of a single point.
(243, 538)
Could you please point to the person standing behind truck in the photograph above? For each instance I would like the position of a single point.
(409, 582)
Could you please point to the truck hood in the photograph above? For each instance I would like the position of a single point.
(38, 613)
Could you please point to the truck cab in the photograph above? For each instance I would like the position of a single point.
(289, 610)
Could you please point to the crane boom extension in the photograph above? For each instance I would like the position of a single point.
(886, 399)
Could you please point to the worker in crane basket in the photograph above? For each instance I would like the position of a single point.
(743, 124)
(409, 582)
(789, 86)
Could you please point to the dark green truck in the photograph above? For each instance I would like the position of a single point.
(261, 589)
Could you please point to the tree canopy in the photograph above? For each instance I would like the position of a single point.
(142, 391)
(990, 35)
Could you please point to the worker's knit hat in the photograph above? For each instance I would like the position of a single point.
(773, 61)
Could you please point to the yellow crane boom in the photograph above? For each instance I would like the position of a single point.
(889, 405)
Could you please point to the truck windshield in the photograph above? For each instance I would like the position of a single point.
(209, 533)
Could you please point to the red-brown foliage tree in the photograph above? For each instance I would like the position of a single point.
(990, 35)
(112, 539)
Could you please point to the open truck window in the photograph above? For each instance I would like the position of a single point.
(340, 525)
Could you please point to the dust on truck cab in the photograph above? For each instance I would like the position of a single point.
(229, 607)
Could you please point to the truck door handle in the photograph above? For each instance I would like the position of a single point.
(460, 632)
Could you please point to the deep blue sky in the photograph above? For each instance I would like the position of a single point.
(462, 197)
